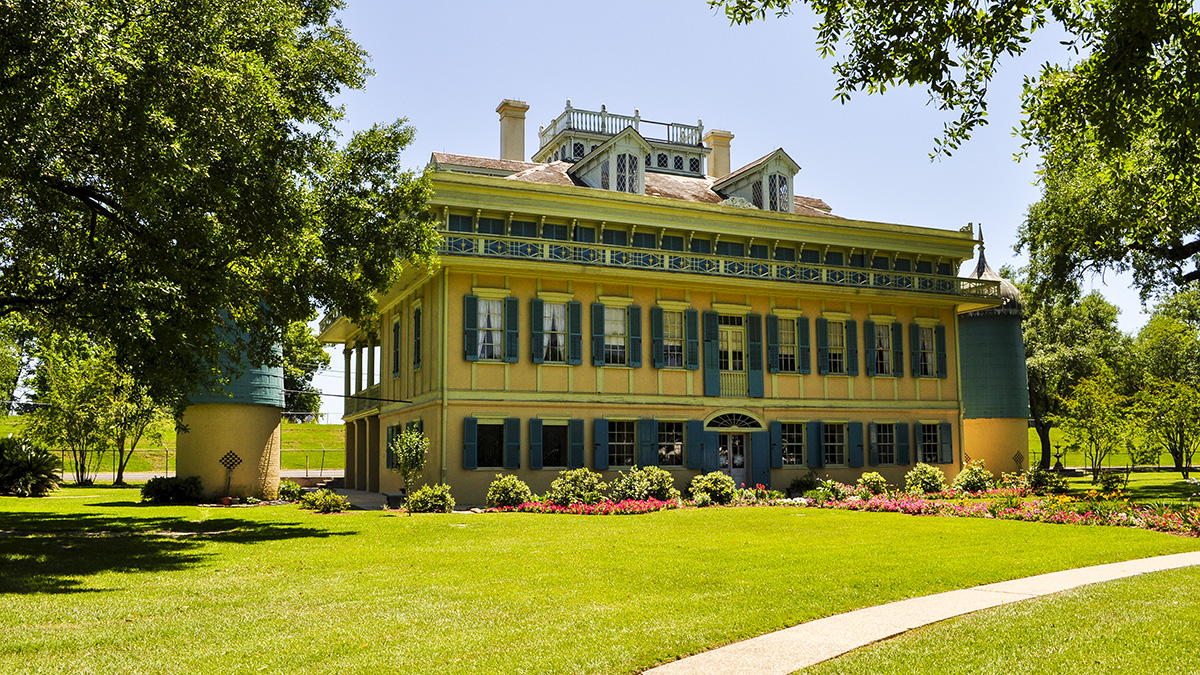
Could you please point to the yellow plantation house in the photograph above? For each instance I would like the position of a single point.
(626, 299)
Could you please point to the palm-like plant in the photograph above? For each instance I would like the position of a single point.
(26, 468)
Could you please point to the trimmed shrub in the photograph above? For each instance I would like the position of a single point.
(974, 478)
(1042, 481)
(434, 498)
(576, 486)
(27, 469)
(702, 500)
(508, 490)
(173, 490)
(873, 482)
(925, 478)
(290, 491)
(642, 484)
(718, 486)
(324, 501)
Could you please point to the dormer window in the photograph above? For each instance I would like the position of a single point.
(627, 173)
(763, 182)
(778, 191)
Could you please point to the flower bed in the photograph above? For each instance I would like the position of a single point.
(604, 508)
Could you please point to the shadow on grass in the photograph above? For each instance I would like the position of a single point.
(1177, 491)
(54, 553)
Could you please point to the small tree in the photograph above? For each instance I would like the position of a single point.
(409, 450)
(1168, 412)
(134, 415)
(1093, 419)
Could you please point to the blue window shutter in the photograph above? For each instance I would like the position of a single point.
(647, 430)
(600, 428)
(947, 440)
(914, 347)
(575, 437)
(754, 341)
(760, 458)
(772, 343)
(391, 457)
(852, 348)
(712, 442)
(471, 328)
(873, 443)
(417, 338)
(940, 339)
(712, 372)
(656, 337)
(776, 429)
(536, 316)
(597, 334)
(869, 346)
(575, 330)
(512, 443)
(854, 438)
(816, 445)
(692, 320)
(805, 364)
(535, 444)
(470, 439)
(512, 330)
(635, 336)
(823, 346)
(695, 444)
(898, 349)
(395, 348)
(902, 444)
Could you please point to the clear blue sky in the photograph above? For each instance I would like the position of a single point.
(445, 66)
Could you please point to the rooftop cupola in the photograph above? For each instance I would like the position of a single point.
(1011, 296)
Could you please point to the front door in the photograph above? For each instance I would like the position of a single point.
(733, 457)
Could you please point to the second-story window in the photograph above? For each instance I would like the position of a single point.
(787, 345)
(883, 349)
(672, 339)
(554, 332)
(928, 352)
(491, 330)
(837, 347)
(616, 333)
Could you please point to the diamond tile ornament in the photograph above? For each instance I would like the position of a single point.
(1018, 458)
(966, 458)
(230, 460)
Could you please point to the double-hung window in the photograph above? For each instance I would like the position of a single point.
(670, 443)
(555, 445)
(883, 349)
(554, 332)
(885, 443)
(491, 330)
(490, 445)
(616, 336)
(622, 442)
(417, 337)
(787, 345)
(931, 444)
(928, 351)
(835, 444)
(837, 347)
(673, 339)
(792, 438)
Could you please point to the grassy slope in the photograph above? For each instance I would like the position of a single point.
(1138, 626)
(371, 592)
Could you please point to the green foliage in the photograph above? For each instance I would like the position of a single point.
(173, 490)
(173, 163)
(434, 498)
(831, 490)
(409, 452)
(290, 491)
(26, 468)
(1042, 482)
(804, 483)
(702, 500)
(873, 482)
(1168, 411)
(643, 483)
(1093, 419)
(576, 486)
(508, 490)
(924, 479)
(718, 486)
(1112, 481)
(303, 356)
(324, 501)
(974, 478)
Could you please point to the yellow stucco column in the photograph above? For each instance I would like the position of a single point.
(251, 432)
(999, 442)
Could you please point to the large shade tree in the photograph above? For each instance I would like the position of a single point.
(1115, 123)
(164, 166)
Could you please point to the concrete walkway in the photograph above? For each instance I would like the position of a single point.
(809, 643)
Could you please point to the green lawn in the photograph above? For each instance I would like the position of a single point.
(94, 583)
(1115, 460)
(1148, 486)
(1137, 626)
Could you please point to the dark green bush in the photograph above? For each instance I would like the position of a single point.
(805, 483)
(643, 483)
(508, 490)
(289, 491)
(718, 486)
(173, 490)
(1112, 481)
(26, 468)
(576, 486)
(324, 501)
(430, 499)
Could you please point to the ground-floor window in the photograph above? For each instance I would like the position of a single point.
(835, 444)
(555, 445)
(670, 443)
(885, 443)
(622, 442)
(930, 444)
(793, 444)
(490, 446)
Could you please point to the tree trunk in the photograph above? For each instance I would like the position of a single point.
(1043, 432)
(122, 460)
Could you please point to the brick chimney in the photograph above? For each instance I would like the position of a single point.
(512, 129)
(718, 161)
